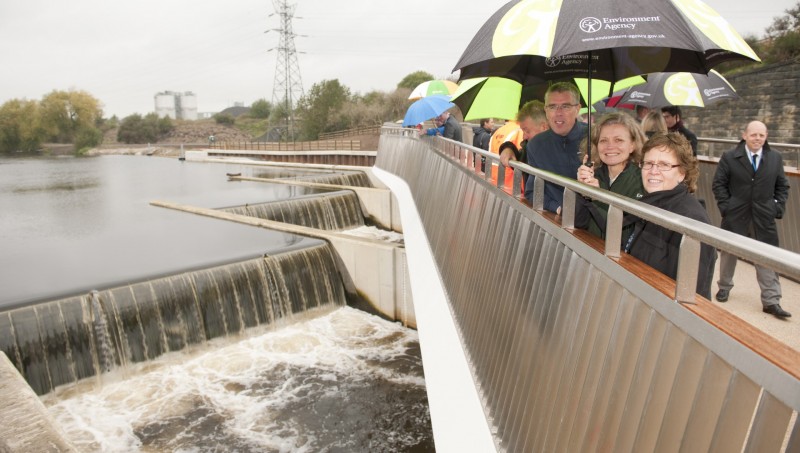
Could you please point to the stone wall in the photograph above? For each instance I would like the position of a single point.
(770, 94)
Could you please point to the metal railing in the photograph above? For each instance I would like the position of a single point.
(694, 232)
(572, 351)
(709, 147)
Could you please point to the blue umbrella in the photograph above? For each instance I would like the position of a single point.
(427, 108)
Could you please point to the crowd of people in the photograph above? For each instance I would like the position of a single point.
(649, 155)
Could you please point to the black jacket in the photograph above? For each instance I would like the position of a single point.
(481, 138)
(659, 247)
(748, 200)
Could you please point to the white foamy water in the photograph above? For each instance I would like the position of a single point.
(343, 381)
(376, 233)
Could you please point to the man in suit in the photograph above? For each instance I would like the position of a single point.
(751, 191)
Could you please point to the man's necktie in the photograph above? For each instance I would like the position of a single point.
(755, 162)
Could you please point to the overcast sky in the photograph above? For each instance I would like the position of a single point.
(123, 53)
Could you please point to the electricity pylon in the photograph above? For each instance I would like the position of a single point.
(287, 88)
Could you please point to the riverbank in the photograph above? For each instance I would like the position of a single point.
(144, 150)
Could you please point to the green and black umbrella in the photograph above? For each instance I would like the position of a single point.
(538, 40)
(499, 97)
(552, 39)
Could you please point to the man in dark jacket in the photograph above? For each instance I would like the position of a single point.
(672, 116)
(751, 191)
(483, 136)
(452, 128)
(556, 149)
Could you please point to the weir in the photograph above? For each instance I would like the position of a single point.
(67, 340)
(568, 346)
(334, 211)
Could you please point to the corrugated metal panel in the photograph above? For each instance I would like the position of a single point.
(569, 351)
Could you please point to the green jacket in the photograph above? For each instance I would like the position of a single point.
(628, 184)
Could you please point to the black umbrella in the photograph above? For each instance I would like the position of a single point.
(680, 88)
(534, 40)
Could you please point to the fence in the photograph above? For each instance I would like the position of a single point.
(319, 145)
(365, 130)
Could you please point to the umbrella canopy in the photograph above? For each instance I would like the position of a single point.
(680, 88)
(432, 87)
(499, 97)
(534, 40)
(427, 108)
(552, 40)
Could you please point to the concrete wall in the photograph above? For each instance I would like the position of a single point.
(25, 424)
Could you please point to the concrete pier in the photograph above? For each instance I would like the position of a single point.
(25, 424)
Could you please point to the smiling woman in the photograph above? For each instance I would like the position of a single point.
(669, 174)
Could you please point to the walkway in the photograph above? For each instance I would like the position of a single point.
(745, 302)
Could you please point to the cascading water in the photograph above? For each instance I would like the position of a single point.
(338, 380)
(342, 178)
(64, 341)
(333, 211)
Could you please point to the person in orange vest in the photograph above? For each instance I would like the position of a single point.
(509, 141)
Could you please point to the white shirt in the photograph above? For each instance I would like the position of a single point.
(757, 152)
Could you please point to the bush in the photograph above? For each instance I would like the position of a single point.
(224, 119)
(260, 109)
(151, 128)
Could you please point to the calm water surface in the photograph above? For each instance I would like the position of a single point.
(70, 225)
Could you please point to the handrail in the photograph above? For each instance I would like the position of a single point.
(694, 232)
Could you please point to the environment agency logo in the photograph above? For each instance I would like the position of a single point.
(590, 24)
(552, 62)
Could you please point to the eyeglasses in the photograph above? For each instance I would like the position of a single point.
(662, 166)
(559, 107)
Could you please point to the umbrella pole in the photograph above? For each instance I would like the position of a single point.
(589, 116)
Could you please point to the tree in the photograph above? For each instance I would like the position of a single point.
(784, 37)
(224, 118)
(415, 78)
(20, 126)
(319, 108)
(147, 129)
(260, 109)
(71, 117)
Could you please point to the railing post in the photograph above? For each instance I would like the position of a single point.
(614, 232)
(688, 266)
(501, 176)
(516, 186)
(568, 209)
(538, 193)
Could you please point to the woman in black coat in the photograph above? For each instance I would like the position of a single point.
(669, 174)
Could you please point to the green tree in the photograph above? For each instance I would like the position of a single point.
(415, 78)
(783, 37)
(71, 117)
(20, 127)
(320, 107)
(147, 129)
(260, 109)
(224, 118)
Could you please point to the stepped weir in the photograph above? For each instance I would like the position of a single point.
(64, 341)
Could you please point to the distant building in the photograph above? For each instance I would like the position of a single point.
(178, 106)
